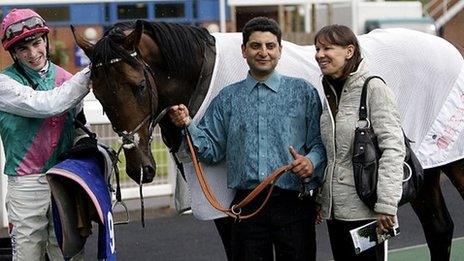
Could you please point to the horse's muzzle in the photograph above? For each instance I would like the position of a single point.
(148, 174)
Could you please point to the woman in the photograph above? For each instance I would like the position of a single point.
(344, 72)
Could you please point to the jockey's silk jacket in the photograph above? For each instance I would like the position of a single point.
(32, 145)
(16, 99)
(337, 196)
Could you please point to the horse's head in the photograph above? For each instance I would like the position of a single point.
(125, 86)
(138, 70)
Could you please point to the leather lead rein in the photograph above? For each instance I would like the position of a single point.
(236, 210)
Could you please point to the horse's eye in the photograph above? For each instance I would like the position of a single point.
(141, 86)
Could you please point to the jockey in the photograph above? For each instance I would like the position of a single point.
(32, 142)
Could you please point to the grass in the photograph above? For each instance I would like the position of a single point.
(421, 252)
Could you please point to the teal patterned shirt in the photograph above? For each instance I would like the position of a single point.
(252, 124)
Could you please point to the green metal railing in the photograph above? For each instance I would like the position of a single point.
(160, 152)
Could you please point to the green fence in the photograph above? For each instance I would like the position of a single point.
(107, 136)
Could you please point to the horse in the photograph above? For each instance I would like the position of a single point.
(141, 68)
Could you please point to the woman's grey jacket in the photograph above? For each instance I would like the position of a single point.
(337, 195)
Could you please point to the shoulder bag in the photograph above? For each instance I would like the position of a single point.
(366, 155)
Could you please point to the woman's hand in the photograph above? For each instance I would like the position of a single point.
(386, 222)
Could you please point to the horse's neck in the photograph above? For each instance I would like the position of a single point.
(181, 93)
(203, 80)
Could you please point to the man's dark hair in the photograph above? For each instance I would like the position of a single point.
(261, 24)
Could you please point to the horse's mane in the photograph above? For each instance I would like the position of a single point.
(179, 45)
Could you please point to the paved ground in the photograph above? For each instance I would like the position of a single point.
(168, 236)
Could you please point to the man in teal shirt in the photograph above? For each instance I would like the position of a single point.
(257, 125)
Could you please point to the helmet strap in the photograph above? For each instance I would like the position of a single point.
(17, 65)
(48, 46)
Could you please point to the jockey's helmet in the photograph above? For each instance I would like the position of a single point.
(21, 24)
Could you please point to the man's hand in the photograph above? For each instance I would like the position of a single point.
(179, 115)
(301, 165)
(386, 222)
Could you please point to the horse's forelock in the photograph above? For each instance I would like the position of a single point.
(110, 47)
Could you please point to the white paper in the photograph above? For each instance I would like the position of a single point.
(366, 236)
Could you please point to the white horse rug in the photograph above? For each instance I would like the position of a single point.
(425, 72)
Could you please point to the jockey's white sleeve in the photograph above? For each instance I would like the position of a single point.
(18, 99)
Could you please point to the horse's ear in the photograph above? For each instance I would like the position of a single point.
(85, 45)
(133, 39)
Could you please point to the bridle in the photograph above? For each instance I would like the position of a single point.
(130, 139)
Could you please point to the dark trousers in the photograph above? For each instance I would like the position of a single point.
(342, 244)
(284, 226)
(224, 228)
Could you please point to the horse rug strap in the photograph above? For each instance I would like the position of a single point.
(80, 194)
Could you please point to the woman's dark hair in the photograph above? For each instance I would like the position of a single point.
(261, 24)
(342, 36)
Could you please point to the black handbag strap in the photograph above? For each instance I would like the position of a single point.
(362, 104)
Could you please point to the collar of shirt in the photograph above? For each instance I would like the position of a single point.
(272, 82)
(42, 73)
(44, 70)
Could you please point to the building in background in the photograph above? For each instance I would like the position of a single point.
(449, 18)
(298, 18)
(98, 15)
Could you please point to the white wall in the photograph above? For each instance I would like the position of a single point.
(342, 13)
(383, 10)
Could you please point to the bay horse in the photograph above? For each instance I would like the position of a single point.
(140, 68)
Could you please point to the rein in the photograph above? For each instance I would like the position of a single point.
(128, 141)
(114, 164)
(236, 210)
(128, 138)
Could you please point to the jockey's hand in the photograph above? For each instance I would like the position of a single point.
(301, 165)
(179, 115)
(85, 147)
(386, 222)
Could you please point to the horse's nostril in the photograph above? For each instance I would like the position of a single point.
(149, 173)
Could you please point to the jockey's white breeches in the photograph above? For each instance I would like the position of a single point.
(30, 218)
